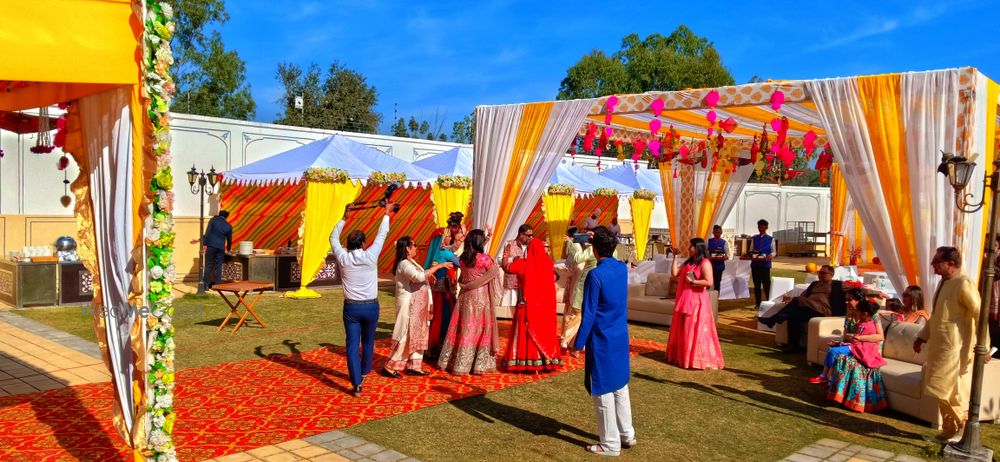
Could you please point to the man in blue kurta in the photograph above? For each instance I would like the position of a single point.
(604, 333)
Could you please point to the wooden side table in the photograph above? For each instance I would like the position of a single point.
(240, 290)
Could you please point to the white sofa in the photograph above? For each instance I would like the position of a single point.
(903, 373)
(646, 304)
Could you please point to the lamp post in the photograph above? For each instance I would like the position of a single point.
(202, 183)
(959, 172)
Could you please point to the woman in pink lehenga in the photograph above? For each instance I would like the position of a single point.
(473, 341)
(694, 342)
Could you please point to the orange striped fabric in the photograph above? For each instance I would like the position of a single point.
(415, 219)
(267, 215)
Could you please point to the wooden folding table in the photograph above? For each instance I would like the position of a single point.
(240, 289)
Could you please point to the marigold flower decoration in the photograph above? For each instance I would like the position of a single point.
(454, 182)
(561, 190)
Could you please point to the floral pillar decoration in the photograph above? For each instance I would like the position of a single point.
(558, 209)
(158, 89)
(451, 194)
(641, 204)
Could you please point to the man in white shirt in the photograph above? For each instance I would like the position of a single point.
(591, 221)
(614, 228)
(359, 278)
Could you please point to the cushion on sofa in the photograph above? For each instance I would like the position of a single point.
(899, 343)
(658, 285)
(903, 377)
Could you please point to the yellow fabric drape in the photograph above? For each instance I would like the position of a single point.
(714, 188)
(667, 183)
(992, 93)
(880, 97)
(534, 118)
(838, 207)
(447, 200)
(325, 203)
(558, 211)
(642, 213)
(94, 43)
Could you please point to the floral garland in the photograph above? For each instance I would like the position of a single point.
(605, 192)
(454, 181)
(385, 178)
(644, 194)
(326, 175)
(158, 91)
(561, 190)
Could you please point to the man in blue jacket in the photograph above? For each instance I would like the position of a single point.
(218, 241)
(604, 333)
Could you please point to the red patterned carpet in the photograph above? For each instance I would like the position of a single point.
(239, 406)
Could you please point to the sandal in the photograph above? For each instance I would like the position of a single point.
(599, 450)
(818, 379)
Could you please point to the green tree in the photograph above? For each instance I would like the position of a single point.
(210, 80)
(342, 100)
(307, 85)
(442, 137)
(675, 62)
(414, 126)
(755, 79)
(399, 129)
(464, 131)
(425, 128)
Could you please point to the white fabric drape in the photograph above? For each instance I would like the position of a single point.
(106, 123)
(493, 152)
(929, 111)
(496, 130)
(839, 106)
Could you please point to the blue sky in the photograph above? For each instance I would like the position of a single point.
(438, 60)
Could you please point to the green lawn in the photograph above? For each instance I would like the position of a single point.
(760, 408)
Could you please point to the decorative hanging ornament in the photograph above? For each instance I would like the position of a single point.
(711, 117)
(63, 163)
(654, 147)
(809, 143)
(654, 126)
(43, 143)
(729, 125)
(657, 106)
(712, 98)
(777, 99)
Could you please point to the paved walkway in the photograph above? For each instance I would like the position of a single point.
(827, 450)
(35, 357)
(335, 446)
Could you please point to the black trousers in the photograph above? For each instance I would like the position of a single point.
(797, 316)
(214, 258)
(761, 280)
(995, 337)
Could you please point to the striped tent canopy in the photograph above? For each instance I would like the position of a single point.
(266, 198)
(643, 178)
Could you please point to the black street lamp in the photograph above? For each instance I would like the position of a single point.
(202, 183)
(959, 172)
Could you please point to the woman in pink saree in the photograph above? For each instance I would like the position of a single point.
(473, 341)
(694, 342)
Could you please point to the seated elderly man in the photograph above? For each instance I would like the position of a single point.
(824, 297)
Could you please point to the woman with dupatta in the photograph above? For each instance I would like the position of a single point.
(534, 342)
(472, 341)
(444, 247)
(413, 311)
(694, 342)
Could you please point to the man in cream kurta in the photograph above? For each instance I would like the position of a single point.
(950, 336)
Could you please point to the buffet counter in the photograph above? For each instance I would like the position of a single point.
(44, 283)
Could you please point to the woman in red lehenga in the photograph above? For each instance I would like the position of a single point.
(472, 341)
(694, 342)
(534, 341)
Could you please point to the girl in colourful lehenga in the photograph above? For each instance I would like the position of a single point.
(694, 342)
(413, 311)
(472, 341)
(534, 342)
(852, 367)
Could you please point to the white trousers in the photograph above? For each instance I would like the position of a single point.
(614, 419)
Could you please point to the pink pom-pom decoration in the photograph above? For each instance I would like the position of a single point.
(775, 124)
(654, 148)
(711, 117)
(656, 106)
(712, 98)
(777, 99)
(611, 103)
(654, 126)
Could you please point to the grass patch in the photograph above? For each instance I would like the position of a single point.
(760, 408)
